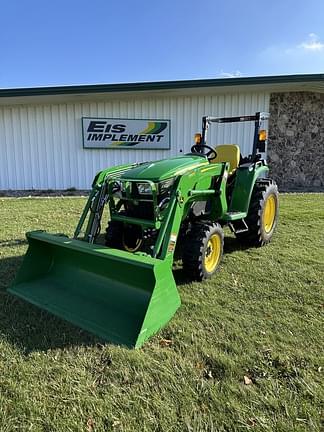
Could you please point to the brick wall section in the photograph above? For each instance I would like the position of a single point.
(296, 140)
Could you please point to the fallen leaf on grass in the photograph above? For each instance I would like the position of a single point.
(200, 365)
(252, 421)
(90, 425)
(247, 380)
(165, 342)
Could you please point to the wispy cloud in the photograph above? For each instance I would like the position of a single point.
(305, 56)
(313, 43)
(235, 74)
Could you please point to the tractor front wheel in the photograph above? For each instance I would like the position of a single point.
(263, 214)
(203, 250)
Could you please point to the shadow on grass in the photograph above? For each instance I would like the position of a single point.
(231, 244)
(30, 328)
(180, 277)
(13, 242)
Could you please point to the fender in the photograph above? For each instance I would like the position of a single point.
(246, 176)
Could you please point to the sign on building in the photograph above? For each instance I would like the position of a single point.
(115, 133)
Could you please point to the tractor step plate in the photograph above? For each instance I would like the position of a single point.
(238, 226)
(232, 216)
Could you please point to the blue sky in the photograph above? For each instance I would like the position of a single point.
(78, 42)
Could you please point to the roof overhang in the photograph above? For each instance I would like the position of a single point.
(59, 94)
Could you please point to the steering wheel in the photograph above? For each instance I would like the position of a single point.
(211, 153)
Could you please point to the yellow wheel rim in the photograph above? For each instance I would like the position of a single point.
(269, 213)
(213, 251)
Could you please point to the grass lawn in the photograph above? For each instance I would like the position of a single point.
(244, 352)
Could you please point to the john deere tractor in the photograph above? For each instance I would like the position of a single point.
(122, 289)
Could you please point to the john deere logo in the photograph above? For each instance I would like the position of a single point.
(125, 133)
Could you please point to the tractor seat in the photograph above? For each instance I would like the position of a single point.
(228, 153)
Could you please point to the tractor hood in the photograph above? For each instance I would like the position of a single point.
(166, 168)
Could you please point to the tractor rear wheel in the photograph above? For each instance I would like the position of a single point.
(114, 234)
(263, 214)
(203, 250)
(124, 236)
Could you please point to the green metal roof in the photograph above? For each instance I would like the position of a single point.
(161, 85)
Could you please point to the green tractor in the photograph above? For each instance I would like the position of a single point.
(120, 285)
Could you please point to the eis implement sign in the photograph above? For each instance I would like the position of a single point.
(115, 133)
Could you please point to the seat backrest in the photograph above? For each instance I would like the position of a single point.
(228, 153)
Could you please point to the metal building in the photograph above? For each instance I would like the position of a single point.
(42, 142)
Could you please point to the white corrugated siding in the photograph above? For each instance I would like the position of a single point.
(41, 145)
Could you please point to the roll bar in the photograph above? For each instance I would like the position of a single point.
(257, 118)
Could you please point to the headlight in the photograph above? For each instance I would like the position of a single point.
(165, 185)
(144, 188)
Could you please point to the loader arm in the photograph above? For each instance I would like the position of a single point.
(96, 201)
(199, 185)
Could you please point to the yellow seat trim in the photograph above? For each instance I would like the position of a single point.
(228, 153)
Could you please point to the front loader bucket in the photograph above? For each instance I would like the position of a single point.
(121, 297)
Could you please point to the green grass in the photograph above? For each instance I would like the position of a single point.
(259, 317)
